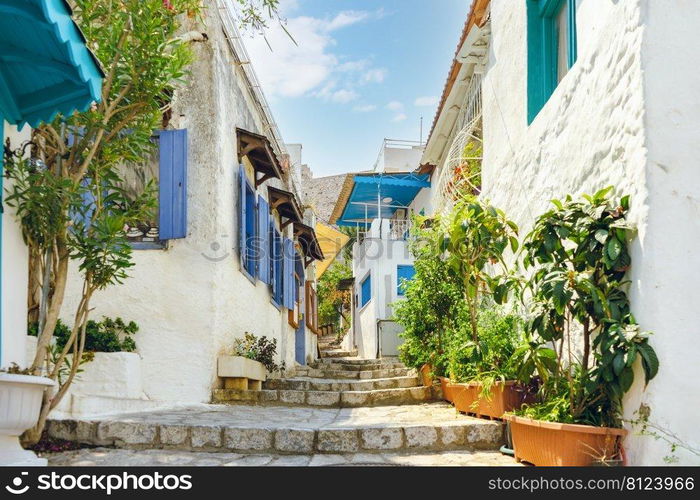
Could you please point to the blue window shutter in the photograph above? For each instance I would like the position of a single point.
(241, 216)
(366, 290)
(173, 184)
(262, 248)
(83, 217)
(289, 282)
(403, 274)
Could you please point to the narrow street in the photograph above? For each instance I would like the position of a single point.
(340, 411)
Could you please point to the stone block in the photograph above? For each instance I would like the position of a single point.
(173, 434)
(248, 439)
(292, 397)
(206, 437)
(294, 440)
(126, 432)
(421, 437)
(338, 440)
(322, 398)
(390, 438)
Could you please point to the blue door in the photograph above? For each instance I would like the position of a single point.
(300, 335)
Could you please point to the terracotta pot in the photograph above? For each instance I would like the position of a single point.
(426, 375)
(554, 444)
(446, 389)
(504, 397)
(464, 396)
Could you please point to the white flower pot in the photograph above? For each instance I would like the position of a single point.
(20, 404)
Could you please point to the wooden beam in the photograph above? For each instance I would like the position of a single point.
(262, 179)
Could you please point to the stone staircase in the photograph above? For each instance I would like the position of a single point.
(337, 405)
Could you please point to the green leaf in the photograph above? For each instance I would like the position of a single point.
(650, 361)
(601, 235)
(513, 244)
(626, 379)
(614, 248)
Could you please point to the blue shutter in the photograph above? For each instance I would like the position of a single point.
(403, 275)
(173, 184)
(241, 216)
(83, 216)
(289, 281)
(366, 290)
(262, 249)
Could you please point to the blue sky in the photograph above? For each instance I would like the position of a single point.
(363, 70)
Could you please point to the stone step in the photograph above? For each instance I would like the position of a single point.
(316, 384)
(360, 361)
(336, 353)
(354, 374)
(344, 365)
(328, 399)
(286, 430)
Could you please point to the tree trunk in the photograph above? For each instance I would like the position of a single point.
(54, 309)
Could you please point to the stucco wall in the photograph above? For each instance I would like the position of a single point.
(14, 272)
(615, 119)
(191, 300)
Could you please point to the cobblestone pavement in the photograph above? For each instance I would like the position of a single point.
(295, 417)
(126, 458)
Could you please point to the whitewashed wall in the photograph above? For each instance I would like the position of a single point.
(379, 255)
(191, 301)
(625, 115)
(14, 272)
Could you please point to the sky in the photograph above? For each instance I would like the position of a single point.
(360, 71)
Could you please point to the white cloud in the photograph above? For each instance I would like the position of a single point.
(343, 96)
(426, 101)
(375, 75)
(394, 106)
(399, 118)
(365, 108)
(308, 65)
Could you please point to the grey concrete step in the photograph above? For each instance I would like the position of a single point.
(319, 384)
(328, 399)
(354, 374)
(286, 430)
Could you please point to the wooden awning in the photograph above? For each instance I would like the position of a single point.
(286, 205)
(308, 241)
(260, 154)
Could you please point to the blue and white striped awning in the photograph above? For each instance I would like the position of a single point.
(45, 66)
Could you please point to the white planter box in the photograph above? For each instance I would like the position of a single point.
(241, 373)
(20, 404)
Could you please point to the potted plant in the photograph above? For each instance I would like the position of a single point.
(247, 366)
(475, 238)
(430, 307)
(578, 256)
(21, 396)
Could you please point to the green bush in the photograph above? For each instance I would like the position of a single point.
(108, 335)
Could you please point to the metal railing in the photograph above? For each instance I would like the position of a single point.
(399, 229)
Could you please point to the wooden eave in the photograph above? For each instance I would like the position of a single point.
(309, 243)
(260, 154)
(286, 205)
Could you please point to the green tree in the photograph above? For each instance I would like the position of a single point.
(75, 158)
(333, 302)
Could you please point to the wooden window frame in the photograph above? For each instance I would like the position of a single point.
(311, 313)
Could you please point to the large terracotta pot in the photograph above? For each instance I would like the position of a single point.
(446, 389)
(504, 397)
(426, 375)
(463, 397)
(554, 444)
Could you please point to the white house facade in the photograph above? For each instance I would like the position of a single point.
(611, 100)
(233, 248)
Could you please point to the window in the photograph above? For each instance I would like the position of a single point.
(551, 49)
(366, 290)
(404, 274)
(294, 315)
(247, 209)
(166, 169)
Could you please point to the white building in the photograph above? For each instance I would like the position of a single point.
(378, 203)
(231, 250)
(610, 100)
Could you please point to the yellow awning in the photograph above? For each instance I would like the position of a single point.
(331, 243)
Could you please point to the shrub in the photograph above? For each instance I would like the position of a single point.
(108, 335)
(260, 349)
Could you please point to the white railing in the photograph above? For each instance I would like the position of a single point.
(399, 229)
(465, 149)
